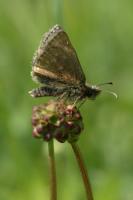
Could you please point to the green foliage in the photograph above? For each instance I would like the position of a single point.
(101, 31)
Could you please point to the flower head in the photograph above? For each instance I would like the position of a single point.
(57, 120)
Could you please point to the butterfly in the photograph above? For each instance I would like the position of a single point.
(56, 66)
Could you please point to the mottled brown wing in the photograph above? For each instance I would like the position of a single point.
(56, 59)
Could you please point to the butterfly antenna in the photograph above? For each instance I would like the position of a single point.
(112, 93)
(108, 91)
(107, 83)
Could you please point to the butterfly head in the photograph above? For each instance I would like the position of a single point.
(93, 91)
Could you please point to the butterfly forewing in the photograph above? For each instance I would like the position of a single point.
(56, 59)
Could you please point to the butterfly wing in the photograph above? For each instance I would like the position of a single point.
(56, 60)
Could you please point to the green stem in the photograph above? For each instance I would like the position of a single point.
(83, 171)
(53, 187)
(58, 11)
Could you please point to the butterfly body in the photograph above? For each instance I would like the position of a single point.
(71, 92)
(56, 66)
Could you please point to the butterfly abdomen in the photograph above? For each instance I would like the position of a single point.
(46, 91)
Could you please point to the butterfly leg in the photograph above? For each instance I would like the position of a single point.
(81, 103)
(62, 96)
(76, 100)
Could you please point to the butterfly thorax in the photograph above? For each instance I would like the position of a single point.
(81, 92)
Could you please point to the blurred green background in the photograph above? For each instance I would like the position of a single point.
(102, 33)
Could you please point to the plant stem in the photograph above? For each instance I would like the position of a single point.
(53, 187)
(58, 11)
(83, 171)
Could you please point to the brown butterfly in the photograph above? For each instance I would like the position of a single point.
(57, 67)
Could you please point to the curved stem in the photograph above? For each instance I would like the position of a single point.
(83, 171)
(53, 187)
